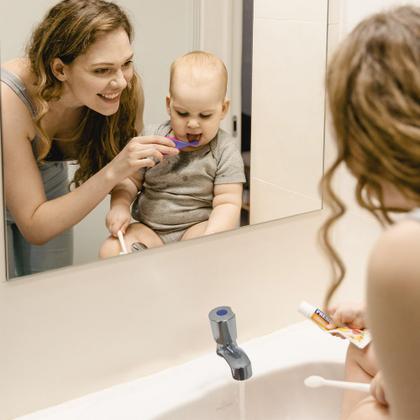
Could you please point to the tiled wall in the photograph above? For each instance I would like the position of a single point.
(290, 46)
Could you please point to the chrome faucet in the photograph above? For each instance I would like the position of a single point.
(223, 326)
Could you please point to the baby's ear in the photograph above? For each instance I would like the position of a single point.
(225, 107)
(168, 105)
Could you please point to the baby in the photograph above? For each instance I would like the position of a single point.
(196, 192)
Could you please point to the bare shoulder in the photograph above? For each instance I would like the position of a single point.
(16, 116)
(396, 254)
(21, 68)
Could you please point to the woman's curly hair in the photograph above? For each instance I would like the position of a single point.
(373, 87)
(66, 32)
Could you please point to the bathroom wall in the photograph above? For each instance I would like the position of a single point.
(289, 57)
(77, 330)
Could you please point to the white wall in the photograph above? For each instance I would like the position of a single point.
(78, 330)
(74, 331)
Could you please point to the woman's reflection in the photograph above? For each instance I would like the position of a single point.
(197, 192)
(75, 96)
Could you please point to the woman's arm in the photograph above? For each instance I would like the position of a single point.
(38, 219)
(393, 306)
(226, 211)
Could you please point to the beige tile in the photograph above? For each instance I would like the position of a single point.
(288, 104)
(314, 10)
(334, 35)
(334, 11)
(270, 202)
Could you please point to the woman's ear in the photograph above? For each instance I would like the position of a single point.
(58, 69)
(225, 107)
(168, 105)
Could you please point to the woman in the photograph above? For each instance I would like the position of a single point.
(75, 96)
(373, 86)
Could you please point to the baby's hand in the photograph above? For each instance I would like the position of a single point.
(118, 218)
(377, 389)
(348, 313)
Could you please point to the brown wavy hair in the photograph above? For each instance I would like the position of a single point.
(66, 32)
(373, 86)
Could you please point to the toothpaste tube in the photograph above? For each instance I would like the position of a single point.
(360, 338)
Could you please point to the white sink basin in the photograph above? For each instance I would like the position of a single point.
(203, 389)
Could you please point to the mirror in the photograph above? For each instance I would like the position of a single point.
(287, 101)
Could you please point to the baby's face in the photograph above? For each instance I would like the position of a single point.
(196, 110)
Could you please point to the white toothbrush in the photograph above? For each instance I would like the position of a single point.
(122, 243)
(317, 381)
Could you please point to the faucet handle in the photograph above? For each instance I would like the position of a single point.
(223, 325)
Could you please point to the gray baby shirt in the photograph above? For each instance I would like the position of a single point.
(178, 192)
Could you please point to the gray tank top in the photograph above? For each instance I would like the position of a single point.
(53, 172)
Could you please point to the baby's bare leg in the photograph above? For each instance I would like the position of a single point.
(361, 366)
(136, 232)
(110, 248)
(195, 231)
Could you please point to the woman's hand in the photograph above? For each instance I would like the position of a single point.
(140, 152)
(351, 314)
(377, 389)
(118, 218)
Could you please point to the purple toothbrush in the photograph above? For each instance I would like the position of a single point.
(179, 144)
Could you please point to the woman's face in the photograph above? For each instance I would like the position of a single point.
(97, 78)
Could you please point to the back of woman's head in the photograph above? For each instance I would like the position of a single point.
(374, 95)
(373, 86)
(67, 31)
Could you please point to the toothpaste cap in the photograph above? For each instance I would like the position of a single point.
(306, 309)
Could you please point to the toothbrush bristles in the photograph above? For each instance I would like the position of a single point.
(314, 381)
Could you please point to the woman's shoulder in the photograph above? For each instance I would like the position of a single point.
(18, 79)
(20, 68)
(396, 254)
(406, 230)
(17, 107)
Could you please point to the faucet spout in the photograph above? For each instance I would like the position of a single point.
(223, 325)
(238, 361)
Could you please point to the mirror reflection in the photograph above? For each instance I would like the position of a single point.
(134, 139)
(196, 192)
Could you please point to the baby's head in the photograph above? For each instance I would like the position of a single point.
(197, 97)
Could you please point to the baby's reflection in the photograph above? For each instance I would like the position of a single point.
(198, 191)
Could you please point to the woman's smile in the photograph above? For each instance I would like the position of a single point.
(110, 97)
